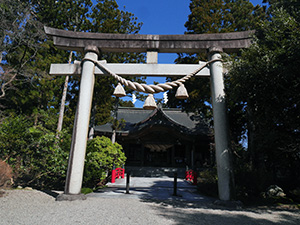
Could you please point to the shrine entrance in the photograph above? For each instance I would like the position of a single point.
(92, 43)
(163, 137)
(157, 158)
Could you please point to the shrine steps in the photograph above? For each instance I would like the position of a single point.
(155, 171)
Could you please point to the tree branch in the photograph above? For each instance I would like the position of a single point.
(5, 84)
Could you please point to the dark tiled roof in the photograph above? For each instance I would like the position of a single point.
(138, 118)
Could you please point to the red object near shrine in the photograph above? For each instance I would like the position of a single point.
(117, 173)
(191, 175)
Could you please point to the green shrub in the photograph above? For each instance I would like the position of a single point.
(33, 153)
(48, 161)
(102, 155)
(86, 190)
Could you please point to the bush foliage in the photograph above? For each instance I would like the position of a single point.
(102, 155)
(33, 152)
(40, 160)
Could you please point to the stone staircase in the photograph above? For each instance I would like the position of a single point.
(155, 171)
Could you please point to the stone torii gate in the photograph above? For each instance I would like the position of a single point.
(94, 43)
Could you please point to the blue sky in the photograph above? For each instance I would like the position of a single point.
(161, 17)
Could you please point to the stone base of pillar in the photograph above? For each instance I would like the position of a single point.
(68, 197)
(229, 204)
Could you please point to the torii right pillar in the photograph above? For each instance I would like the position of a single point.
(221, 128)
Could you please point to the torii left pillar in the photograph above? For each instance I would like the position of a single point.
(80, 130)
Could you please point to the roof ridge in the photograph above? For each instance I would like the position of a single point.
(155, 111)
(164, 109)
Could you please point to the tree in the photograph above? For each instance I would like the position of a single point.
(35, 98)
(220, 16)
(212, 16)
(291, 6)
(108, 18)
(71, 15)
(28, 100)
(18, 33)
(262, 87)
(67, 14)
(82, 16)
(99, 16)
(28, 89)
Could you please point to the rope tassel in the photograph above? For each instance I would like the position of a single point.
(119, 91)
(182, 92)
(150, 102)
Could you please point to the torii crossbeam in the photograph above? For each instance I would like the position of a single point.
(93, 43)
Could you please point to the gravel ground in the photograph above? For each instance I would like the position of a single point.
(36, 207)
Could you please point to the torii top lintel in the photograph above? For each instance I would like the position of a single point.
(186, 43)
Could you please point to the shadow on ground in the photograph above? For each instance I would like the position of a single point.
(53, 194)
(189, 207)
(192, 208)
(182, 213)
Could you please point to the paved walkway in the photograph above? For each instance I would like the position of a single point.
(154, 189)
(150, 202)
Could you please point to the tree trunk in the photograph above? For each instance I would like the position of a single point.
(251, 139)
(63, 101)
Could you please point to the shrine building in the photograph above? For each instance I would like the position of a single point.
(162, 138)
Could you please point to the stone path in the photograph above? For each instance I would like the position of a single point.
(154, 189)
(150, 202)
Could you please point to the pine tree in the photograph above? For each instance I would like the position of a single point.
(212, 16)
(18, 34)
(43, 91)
(263, 92)
(292, 7)
(32, 97)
